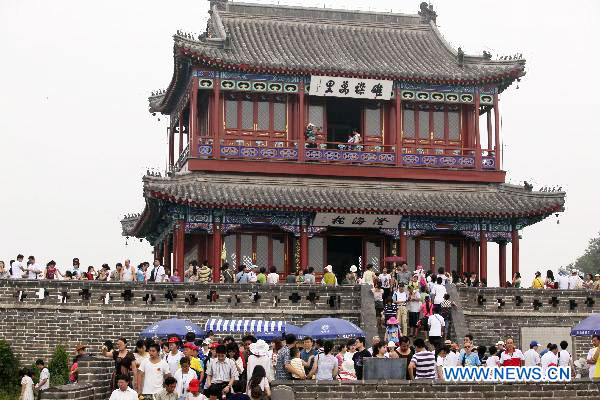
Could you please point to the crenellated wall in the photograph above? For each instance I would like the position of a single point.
(491, 321)
(35, 327)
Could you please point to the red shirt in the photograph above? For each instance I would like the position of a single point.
(511, 360)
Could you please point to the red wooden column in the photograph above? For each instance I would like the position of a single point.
(301, 137)
(515, 251)
(483, 256)
(447, 261)
(477, 134)
(303, 247)
(398, 129)
(402, 250)
(502, 263)
(194, 133)
(475, 258)
(489, 129)
(217, 248)
(468, 256)
(178, 247)
(497, 131)
(432, 255)
(216, 125)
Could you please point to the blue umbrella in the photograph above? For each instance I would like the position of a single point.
(173, 326)
(330, 328)
(588, 327)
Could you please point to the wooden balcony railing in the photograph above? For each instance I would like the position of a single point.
(411, 156)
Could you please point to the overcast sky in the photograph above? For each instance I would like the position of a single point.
(76, 137)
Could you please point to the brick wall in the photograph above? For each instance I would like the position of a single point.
(70, 392)
(490, 322)
(370, 390)
(35, 327)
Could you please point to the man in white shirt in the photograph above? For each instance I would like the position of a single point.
(451, 359)
(174, 355)
(369, 276)
(221, 372)
(123, 392)
(564, 357)
(438, 292)
(563, 281)
(152, 371)
(550, 359)
(400, 298)
(35, 270)
(575, 281)
(44, 383)
(184, 376)
(159, 271)
(17, 268)
(435, 322)
(252, 275)
(127, 273)
(531, 356)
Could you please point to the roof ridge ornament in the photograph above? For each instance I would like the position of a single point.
(427, 13)
(460, 55)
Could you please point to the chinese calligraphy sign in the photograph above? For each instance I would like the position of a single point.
(377, 221)
(374, 89)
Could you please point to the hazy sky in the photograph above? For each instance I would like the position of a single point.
(76, 137)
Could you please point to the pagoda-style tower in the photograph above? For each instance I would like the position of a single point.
(305, 137)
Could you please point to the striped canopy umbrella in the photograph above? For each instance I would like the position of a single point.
(259, 328)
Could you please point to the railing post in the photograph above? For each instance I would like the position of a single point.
(301, 138)
(398, 128)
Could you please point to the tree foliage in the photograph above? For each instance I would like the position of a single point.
(9, 368)
(590, 260)
(59, 367)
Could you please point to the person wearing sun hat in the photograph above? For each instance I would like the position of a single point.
(190, 349)
(174, 355)
(392, 332)
(329, 277)
(259, 355)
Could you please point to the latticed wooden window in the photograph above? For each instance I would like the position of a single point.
(424, 124)
(373, 254)
(230, 247)
(262, 251)
(315, 114)
(278, 252)
(262, 116)
(408, 127)
(279, 116)
(373, 119)
(424, 246)
(231, 114)
(247, 114)
(440, 254)
(453, 258)
(438, 124)
(410, 251)
(315, 253)
(246, 249)
(453, 125)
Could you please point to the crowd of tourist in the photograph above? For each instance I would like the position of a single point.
(193, 369)
(387, 278)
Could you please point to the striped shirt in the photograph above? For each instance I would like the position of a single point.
(424, 365)
(204, 274)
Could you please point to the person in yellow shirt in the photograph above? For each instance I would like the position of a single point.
(191, 351)
(329, 277)
(538, 283)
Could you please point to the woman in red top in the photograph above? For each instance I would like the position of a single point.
(426, 310)
(90, 275)
(52, 271)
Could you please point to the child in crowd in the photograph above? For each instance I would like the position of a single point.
(194, 391)
(493, 361)
(296, 363)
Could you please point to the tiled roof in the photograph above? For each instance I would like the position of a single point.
(319, 194)
(339, 42)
